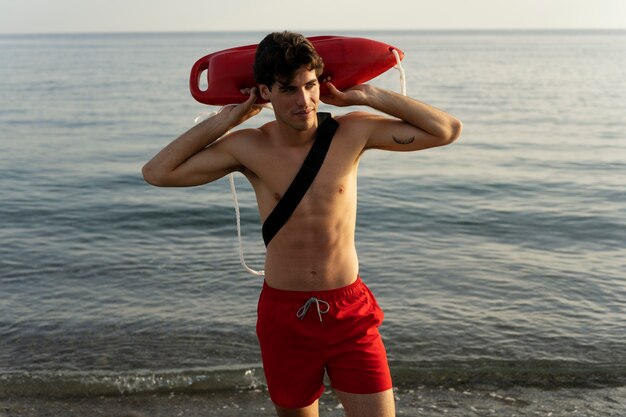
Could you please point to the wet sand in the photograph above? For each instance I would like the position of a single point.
(419, 401)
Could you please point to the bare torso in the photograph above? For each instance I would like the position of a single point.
(315, 249)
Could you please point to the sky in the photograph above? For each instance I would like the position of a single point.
(75, 16)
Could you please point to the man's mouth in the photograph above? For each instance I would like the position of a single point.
(304, 112)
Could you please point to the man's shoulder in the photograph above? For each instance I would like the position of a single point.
(248, 134)
(353, 116)
(358, 123)
(358, 118)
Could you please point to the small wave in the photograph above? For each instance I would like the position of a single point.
(71, 383)
(536, 373)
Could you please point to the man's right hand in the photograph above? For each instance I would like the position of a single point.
(239, 113)
(186, 161)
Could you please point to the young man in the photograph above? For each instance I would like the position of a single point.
(315, 315)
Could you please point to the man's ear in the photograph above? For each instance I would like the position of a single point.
(265, 91)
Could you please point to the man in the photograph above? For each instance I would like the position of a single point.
(315, 315)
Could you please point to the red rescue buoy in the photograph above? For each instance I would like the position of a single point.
(347, 61)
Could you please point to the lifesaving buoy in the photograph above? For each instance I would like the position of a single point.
(347, 61)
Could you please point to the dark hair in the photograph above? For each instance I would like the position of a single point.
(281, 54)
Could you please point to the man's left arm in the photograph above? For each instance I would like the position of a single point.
(416, 125)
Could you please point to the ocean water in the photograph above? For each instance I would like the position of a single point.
(499, 260)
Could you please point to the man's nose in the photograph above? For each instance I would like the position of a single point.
(303, 97)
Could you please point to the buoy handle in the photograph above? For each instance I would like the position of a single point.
(197, 69)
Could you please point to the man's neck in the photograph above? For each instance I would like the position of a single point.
(291, 137)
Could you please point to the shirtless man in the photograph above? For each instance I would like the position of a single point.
(315, 314)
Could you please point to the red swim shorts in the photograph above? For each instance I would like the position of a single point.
(304, 334)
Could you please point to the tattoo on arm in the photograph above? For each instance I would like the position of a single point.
(403, 141)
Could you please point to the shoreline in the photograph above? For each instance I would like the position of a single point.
(419, 401)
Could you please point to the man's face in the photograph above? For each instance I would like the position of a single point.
(295, 102)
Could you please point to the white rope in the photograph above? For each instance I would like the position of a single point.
(402, 74)
(233, 191)
(231, 179)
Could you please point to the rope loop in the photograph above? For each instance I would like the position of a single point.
(233, 191)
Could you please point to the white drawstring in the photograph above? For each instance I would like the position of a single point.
(303, 310)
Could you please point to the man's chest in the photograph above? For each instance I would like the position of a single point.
(334, 182)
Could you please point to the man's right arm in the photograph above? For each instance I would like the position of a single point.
(189, 160)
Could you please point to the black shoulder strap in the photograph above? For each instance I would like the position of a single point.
(326, 128)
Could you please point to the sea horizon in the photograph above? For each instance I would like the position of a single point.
(487, 31)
